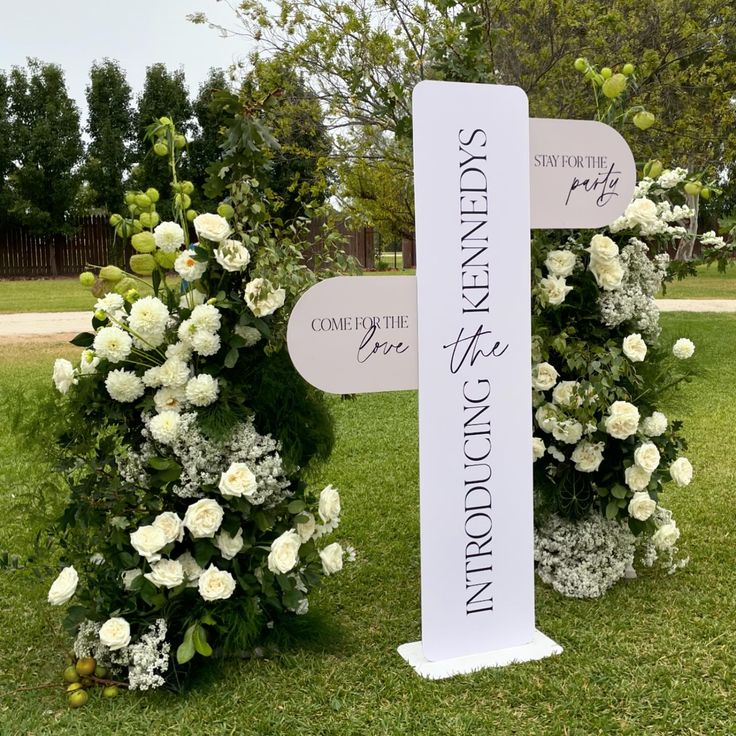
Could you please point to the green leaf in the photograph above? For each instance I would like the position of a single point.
(74, 616)
(200, 641)
(231, 358)
(156, 280)
(612, 509)
(186, 649)
(619, 491)
(296, 507)
(160, 463)
(83, 340)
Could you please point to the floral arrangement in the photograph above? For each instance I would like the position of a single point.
(603, 449)
(189, 529)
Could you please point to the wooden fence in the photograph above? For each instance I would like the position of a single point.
(23, 255)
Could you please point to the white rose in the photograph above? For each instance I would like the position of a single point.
(641, 212)
(641, 506)
(216, 585)
(635, 349)
(602, 249)
(203, 518)
(64, 587)
(169, 237)
(148, 541)
(232, 256)
(284, 554)
(608, 274)
(238, 480)
(129, 576)
(560, 262)
(666, 536)
(554, 289)
(565, 393)
(654, 425)
(646, 456)
(262, 298)
(329, 504)
(683, 348)
(115, 633)
(229, 546)
(63, 375)
(192, 570)
(546, 417)
(189, 269)
(165, 427)
(637, 479)
(623, 420)
(124, 386)
(681, 471)
(537, 448)
(568, 431)
(544, 376)
(331, 557)
(88, 362)
(306, 529)
(166, 574)
(249, 334)
(171, 525)
(211, 227)
(587, 456)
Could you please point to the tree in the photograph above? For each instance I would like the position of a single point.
(111, 128)
(7, 152)
(164, 94)
(48, 148)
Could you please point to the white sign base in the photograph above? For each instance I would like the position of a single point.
(539, 647)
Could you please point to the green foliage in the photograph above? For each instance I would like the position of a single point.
(47, 147)
(7, 150)
(111, 130)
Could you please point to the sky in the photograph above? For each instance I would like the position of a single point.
(137, 33)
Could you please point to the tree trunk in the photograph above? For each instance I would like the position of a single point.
(687, 244)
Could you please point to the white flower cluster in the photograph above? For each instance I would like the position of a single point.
(147, 659)
(553, 288)
(662, 545)
(634, 302)
(583, 558)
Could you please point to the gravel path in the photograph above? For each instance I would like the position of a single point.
(55, 323)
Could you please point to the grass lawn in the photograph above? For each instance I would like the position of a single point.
(655, 656)
(708, 284)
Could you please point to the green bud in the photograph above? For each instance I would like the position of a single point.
(187, 187)
(180, 141)
(693, 188)
(111, 273)
(653, 168)
(100, 315)
(705, 193)
(143, 242)
(142, 201)
(628, 69)
(225, 210)
(581, 64)
(183, 201)
(152, 194)
(644, 120)
(614, 86)
(191, 214)
(142, 264)
(129, 197)
(149, 219)
(606, 72)
(131, 295)
(124, 286)
(115, 220)
(87, 278)
(136, 227)
(165, 260)
(165, 121)
(160, 149)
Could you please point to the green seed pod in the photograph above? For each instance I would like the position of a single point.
(149, 219)
(87, 278)
(142, 201)
(152, 194)
(142, 264)
(705, 193)
(115, 220)
(180, 141)
(183, 201)
(628, 69)
(693, 188)
(191, 214)
(165, 260)
(160, 149)
(581, 64)
(606, 72)
(129, 197)
(614, 86)
(653, 168)
(136, 227)
(124, 286)
(111, 273)
(644, 120)
(143, 242)
(99, 288)
(225, 210)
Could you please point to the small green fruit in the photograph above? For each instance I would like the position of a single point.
(187, 187)
(580, 64)
(606, 72)
(705, 193)
(653, 168)
(225, 210)
(124, 286)
(191, 214)
(160, 149)
(85, 666)
(111, 691)
(74, 686)
(628, 69)
(78, 698)
(87, 278)
(183, 201)
(149, 219)
(693, 188)
(115, 220)
(644, 120)
(143, 242)
(143, 201)
(180, 141)
(111, 273)
(71, 675)
(101, 672)
(130, 198)
(152, 194)
(142, 264)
